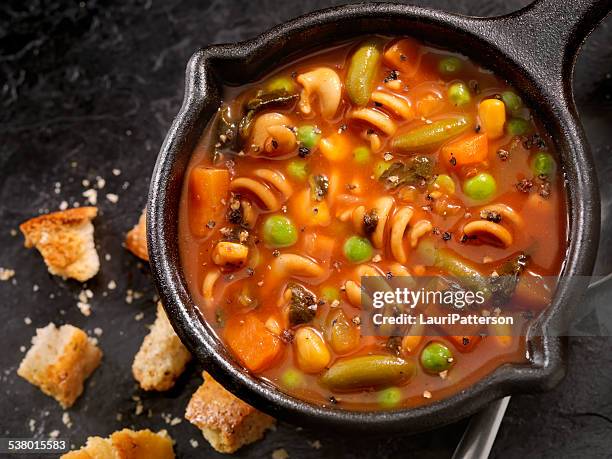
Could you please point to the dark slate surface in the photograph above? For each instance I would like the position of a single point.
(89, 87)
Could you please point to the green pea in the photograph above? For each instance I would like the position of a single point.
(281, 84)
(436, 357)
(292, 378)
(298, 169)
(449, 65)
(480, 187)
(361, 155)
(380, 168)
(459, 94)
(357, 249)
(279, 231)
(308, 135)
(517, 126)
(445, 183)
(390, 397)
(512, 101)
(543, 164)
(330, 294)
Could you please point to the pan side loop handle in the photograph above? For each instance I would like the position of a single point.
(546, 36)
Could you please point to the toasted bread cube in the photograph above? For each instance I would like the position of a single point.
(226, 422)
(162, 357)
(66, 241)
(59, 361)
(126, 444)
(136, 238)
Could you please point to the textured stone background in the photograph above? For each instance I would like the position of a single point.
(89, 87)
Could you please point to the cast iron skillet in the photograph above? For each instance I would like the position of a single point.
(534, 48)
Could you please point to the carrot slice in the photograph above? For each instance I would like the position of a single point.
(404, 56)
(467, 150)
(251, 342)
(208, 189)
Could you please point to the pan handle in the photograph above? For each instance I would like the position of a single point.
(546, 36)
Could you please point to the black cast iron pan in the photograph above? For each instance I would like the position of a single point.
(534, 48)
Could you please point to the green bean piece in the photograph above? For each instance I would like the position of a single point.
(292, 378)
(279, 231)
(308, 136)
(298, 169)
(431, 135)
(512, 101)
(357, 249)
(469, 276)
(436, 357)
(368, 371)
(362, 71)
(390, 397)
(543, 164)
(449, 65)
(459, 94)
(517, 126)
(361, 155)
(380, 167)
(480, 187)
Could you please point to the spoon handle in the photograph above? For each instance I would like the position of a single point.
(480, 434)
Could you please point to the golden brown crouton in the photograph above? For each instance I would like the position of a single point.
(227, 422)
(126, 444)
(162, 357)
(136, 238)
(59, 361)
(66, 241)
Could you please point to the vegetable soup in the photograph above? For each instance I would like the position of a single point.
(377, 157)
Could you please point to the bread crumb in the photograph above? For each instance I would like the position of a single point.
(35, 288)
(85, 308)
(6, 274)
(139, 316)
(315, 444)
(116, 172)
(112, 197)
(13, 232)
(66, 420)
(54, 434)
(63, 205)
(22, 348)
(27, 320)
(100, 182)
(174, 421)
(85, 183)
(97, 331)
(139, 408)
(32, 424)
(194, 443)
(91, 195)
(280, 453)
(112, 285)
(107, 257)
(426, 394)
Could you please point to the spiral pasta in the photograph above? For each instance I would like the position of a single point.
(382, 121)
(289, 265)
(208, 285)
(269, 186)
(325, 84)
(271, 134)
(490, 226)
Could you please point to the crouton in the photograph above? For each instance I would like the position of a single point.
(59, 361)
(136, 238)
(126, 444)
(66, 241)
(162, 357)
(226, 422)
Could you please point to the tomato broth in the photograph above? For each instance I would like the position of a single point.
(366, 159)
